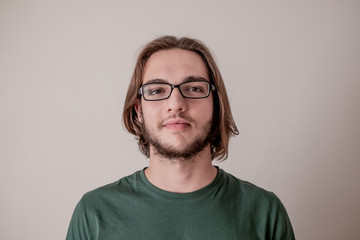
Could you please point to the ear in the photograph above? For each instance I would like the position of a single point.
(137, 107)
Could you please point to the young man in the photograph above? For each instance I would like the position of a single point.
(178, 109)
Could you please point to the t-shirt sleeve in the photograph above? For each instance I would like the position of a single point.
(282, 226)
(79, 224)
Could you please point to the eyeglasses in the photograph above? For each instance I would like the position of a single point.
(161, 91)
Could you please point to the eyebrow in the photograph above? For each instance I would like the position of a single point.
(187, 79)
(157, 80)
(195, 78)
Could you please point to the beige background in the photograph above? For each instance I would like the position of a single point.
(292, 70)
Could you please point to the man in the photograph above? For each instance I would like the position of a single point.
(178, 109)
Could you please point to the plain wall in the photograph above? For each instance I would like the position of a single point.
(291, 68)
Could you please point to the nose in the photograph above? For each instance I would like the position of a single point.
(176, 102)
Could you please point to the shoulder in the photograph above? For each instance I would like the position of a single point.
(94, 204)
(245, 187)
(260, 205)
(110, 191)
(247, 192)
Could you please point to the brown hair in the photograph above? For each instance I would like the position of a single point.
(223, 125)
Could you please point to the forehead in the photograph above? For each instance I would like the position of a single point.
(174, 65)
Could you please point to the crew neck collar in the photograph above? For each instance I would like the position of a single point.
(202, 191)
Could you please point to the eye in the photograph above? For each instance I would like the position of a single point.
(155, 91)
(195, 89)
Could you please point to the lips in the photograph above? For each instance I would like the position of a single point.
(176, 124)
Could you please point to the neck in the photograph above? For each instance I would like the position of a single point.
(181, 175)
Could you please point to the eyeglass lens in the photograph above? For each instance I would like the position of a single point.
(159, 91)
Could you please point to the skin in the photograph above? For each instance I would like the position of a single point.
(177, 123)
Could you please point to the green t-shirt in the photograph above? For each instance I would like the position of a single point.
(226, 209)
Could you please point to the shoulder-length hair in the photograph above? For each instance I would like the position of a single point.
(223, 125)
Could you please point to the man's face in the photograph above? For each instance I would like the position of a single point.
(177, 127)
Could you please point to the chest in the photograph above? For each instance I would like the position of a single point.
(175, 220)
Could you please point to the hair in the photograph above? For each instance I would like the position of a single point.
(223, 125)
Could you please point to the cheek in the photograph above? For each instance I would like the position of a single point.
(151, 111)
(209, 106)
(204, 111)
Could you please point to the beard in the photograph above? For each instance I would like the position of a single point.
(167, 151)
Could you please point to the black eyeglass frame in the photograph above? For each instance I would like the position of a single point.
(211, 87)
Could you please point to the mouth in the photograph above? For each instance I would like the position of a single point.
(176, 124)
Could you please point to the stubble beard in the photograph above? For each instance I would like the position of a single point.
(167, 151)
